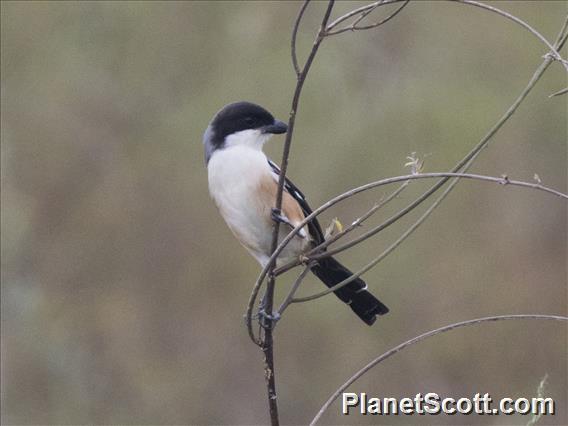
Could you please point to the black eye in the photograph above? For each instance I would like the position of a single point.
(250, 121)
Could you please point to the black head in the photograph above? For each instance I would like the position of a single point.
(235, 118)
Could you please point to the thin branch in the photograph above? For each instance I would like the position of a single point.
(364, 15)
(359, 221)
(420, 338)
(502, 181)
(522, 23)
(294, 288)
(385, 20)
(472, 154)
(355, 224)
(360, 10)
(284, 165)
(267, 343)
(560, 92)
(294, 35)
(365, 10)
(562, 37)
(354, 27)
(415, 225)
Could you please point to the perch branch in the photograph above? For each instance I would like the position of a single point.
(267, 343)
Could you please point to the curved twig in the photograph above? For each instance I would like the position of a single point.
(313, 256)
(354, 27)
(360, 10)
(420, 338)
(294, 35)
(410, 230)
(354, 225)
(294, 288)
(560, 92)
(471, 155)
(365, 10)
(562, 37)
(522, 23)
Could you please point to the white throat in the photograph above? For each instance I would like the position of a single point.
(251, 138)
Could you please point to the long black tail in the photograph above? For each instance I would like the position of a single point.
(355, 294)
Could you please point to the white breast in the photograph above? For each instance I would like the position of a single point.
(235, 174)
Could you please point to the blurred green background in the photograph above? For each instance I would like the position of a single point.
(123, 292)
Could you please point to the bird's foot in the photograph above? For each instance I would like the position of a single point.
(268, 321)
(277, 216)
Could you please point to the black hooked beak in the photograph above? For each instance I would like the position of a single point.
(276, 128)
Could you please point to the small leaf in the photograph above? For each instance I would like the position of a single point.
(334, 225)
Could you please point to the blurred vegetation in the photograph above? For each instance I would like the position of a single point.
(122, 289)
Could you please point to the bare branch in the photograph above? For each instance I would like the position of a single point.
(358, 11)
(283, 167)
(356, 223)
(471, 155)
(561, 39)
(365, 10)
(364, 15)
(294, 288)
(301, 73)
(420, 338)
(560, 92)
(294, 35)
(548, 59)
(414, 226)
(522, 23)
(267, 343)
(354, 27)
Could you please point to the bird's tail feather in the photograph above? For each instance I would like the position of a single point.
(355, 294)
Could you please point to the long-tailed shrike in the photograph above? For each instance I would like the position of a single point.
(243, 183)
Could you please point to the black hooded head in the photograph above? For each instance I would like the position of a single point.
(236, 117)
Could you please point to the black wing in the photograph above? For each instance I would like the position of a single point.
(313, 225)
(331, 272)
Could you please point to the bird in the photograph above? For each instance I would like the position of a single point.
(243, 183)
